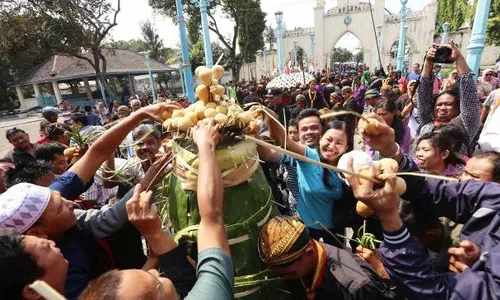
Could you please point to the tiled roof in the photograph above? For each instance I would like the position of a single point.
(119, 62)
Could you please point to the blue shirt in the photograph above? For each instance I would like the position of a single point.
(413, 76)
(70, 185)
(316, 200)
(93, 119)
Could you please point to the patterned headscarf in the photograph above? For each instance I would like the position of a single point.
(282, 240)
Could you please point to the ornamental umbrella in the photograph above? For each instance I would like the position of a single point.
(289, 80)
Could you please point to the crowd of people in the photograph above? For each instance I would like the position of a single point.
(77, 209)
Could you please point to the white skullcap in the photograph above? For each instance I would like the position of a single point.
(22, 205)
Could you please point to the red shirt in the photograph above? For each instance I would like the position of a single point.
(43, 140)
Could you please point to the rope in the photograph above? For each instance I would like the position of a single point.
(308, 160)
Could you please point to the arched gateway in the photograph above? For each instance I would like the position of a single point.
(354, 16)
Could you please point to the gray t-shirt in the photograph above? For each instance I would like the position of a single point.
(491, 98)
(215, 276)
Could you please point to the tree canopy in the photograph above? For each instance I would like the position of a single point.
(79, 28)
(340, 55)
(246, 37)
(270, 36)
(493, 29)
(26, 41)
(152, 40)
(458, 12)
(455, 12)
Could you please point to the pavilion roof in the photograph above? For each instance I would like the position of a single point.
(119, 62)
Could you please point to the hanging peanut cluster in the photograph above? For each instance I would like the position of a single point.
(213, 103)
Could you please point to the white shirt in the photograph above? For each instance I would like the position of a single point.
(489, 140)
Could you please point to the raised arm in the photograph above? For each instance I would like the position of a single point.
(399, 250)
(280, 135)
(144, 216)
(425, 103)
(173, 258)
(470, 107)
(211, 233)
(268, 155)
(106, 144)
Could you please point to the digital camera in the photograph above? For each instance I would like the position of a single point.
(443, 54)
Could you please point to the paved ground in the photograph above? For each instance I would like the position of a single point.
(28, 124)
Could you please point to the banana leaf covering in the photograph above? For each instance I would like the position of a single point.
(247, 207)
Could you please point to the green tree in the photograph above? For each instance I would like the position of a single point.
(89, 23)
(340, 55)
(359, 57)
(197, 54)
(270, 36)
(248, 25)
(132, 45)
(458, 12)
(493, 29)
(152, 40)
(300, 56)
(26, 41)
(455, 12)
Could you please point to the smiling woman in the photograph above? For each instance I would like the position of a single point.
(319, 189)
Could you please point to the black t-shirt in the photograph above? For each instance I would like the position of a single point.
(329, 89)
(282, 112)
(240, 95)
(318, 102)
(293, 97)
(251, 98)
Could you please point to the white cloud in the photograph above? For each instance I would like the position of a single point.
(296, 13)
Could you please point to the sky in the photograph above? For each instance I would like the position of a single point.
(296, 13)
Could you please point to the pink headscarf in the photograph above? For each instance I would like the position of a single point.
(486, 71)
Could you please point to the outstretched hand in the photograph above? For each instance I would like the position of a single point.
(206, 133)
(384, 141)
(155, 111)
(455, 52)
(384, 201)
(142, 214)
(431, 53)
(374, 259)
(464, 256)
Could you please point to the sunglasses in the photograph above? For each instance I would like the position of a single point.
(489, 74)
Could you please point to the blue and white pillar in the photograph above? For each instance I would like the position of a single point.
(402, 37)
(279, 21)
(147, 54)
(266, 63)
(207, 45)
(478, 37)
(186, 64)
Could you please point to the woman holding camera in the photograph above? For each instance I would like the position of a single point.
(458, 106)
